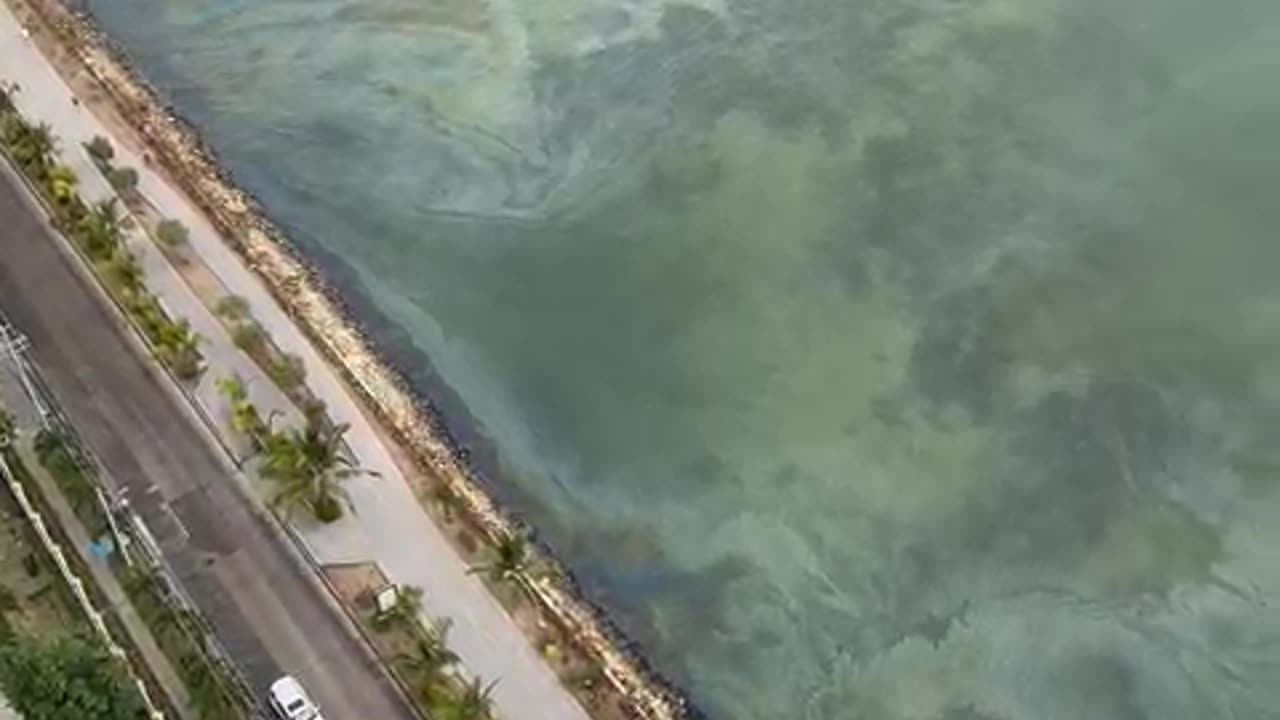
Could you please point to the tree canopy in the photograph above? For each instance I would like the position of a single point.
(308, 467)
(66, 678)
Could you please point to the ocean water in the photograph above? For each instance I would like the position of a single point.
(870, 359)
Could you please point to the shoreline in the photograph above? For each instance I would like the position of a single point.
(418, 428)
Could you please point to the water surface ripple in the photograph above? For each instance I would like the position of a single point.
(883, 359)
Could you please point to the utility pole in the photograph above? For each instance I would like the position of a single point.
(15, 345)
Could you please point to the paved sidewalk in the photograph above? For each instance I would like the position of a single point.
(118, 600)
(387, 526)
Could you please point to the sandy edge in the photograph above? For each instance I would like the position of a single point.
(319, 312)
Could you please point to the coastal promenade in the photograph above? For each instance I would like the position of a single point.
(387, 525)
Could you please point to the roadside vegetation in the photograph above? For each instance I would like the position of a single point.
(172, 237)
(213, 689)
(66, 677)
(51, 665)
(306, 467)
(124, 180)
(420, 658)
(284, 369)
(180, 632)
(171, 233)
(97, 231)
(54, 453)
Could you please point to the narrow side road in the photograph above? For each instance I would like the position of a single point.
(262, 602)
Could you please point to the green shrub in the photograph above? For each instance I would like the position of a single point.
(56, 455)
(97, 229)
(66, 677)
(147, 312)
(287, 371)
(122, 271)
(99, 148)
(32, 146)
(313, 408)
(60, 182)
(179, 347)
(250, 337)
(233, 308)
(171, 233)
(124, 179)
(327, 509)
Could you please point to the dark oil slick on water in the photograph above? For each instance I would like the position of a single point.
(884, 359)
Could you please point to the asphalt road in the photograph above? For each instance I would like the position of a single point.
(263, 603)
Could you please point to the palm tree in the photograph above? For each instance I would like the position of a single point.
(309, 466)
(179, 347)
(62, 182)
(431, 654)
(435, 693)
(32, 145)
(122, 267)
(245, 418)
(99, 229)
(475, 702)
(510, 559)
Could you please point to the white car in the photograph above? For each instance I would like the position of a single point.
(290, 701)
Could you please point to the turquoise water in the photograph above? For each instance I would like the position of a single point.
(883, 359)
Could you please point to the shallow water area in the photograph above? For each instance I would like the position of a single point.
(876, 359)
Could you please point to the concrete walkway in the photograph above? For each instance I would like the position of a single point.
(387, 526)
